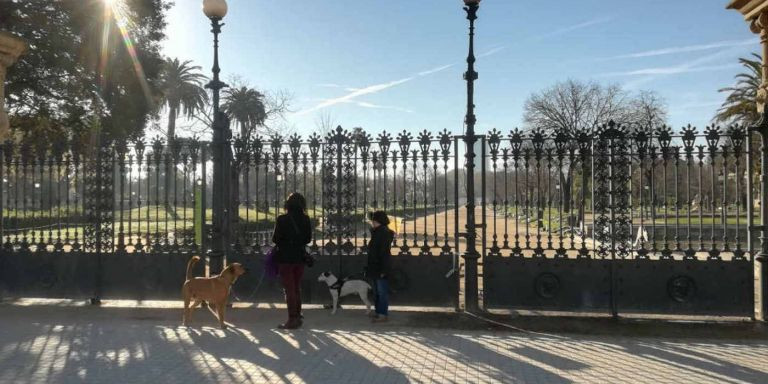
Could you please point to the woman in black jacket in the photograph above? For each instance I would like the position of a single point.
(379, 262)
(293, 232)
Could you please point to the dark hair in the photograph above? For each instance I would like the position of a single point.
(296, 203)
(379, 217)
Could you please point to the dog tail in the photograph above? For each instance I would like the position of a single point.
(191, 264)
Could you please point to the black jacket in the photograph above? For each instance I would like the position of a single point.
(290, 244)
(379, 255)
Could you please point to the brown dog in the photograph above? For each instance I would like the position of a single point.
(213, 290)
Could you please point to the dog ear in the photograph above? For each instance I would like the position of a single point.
(326, 274)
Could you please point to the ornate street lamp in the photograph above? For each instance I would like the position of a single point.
(471, 255)
(215, 10)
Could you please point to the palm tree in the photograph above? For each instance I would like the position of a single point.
(246, 107)
(740, 106)
(181, 89)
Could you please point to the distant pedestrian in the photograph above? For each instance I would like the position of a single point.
(380, 263)
(293, 231)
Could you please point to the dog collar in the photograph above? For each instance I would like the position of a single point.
(337, 285)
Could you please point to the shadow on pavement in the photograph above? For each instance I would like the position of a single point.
(55, 344)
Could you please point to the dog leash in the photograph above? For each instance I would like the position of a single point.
(500, 324)
(255, 290)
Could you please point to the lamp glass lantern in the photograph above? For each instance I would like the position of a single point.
(215, 9)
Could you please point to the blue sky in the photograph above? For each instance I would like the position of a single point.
(397, 64)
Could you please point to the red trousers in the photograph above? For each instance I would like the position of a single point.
(290, 275)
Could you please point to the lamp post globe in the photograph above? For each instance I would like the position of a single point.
(215, 8)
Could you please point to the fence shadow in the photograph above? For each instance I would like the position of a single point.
(86, 344)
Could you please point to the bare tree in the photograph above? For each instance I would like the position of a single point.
(276, 104)
(648, 109)
(325, 122)
(577, 105)
(572, 105)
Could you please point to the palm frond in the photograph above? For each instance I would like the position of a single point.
(740, 105)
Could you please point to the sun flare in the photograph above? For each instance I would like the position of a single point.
(119, 12)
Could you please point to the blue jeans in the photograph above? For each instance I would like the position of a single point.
(382, 297)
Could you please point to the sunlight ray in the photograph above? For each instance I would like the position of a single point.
(118, 11)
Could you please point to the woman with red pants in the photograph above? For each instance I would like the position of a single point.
(293, 232)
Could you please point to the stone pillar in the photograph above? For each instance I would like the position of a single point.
(759, 25)
(11, 47)
(755, 12)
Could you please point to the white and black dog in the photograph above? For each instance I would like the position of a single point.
(345, 287)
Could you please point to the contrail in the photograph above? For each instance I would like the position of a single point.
(684, 49)
(371, 90)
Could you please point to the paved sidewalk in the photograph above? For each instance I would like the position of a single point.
(49, 344)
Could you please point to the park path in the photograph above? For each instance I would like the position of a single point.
(498, 225)
(60, 344)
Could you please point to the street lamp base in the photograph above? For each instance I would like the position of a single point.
(215, 262)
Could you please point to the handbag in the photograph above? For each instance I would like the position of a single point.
(270, 264)
(308, 259)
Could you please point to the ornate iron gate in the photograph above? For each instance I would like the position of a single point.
(344, 175)
(628, 245)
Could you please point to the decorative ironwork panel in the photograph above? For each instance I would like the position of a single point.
(601, 158)
(613, 227)
(621, 223)
(99, 200)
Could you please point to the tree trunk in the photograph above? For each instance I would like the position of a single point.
(235, 203)
(566, 181)
(236, 229)
(583, 202)
(169, 166)
(171, 133)
(651, 199)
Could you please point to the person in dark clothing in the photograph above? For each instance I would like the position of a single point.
(379, 262)
(293, 231)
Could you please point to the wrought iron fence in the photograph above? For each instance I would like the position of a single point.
(619, 220)
(643, 193)
(570, 219)
(151, 197)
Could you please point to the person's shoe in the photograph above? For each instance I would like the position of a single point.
(290, 324)
(379, 319)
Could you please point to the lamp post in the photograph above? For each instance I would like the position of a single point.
(215, 10)
(471, 255)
